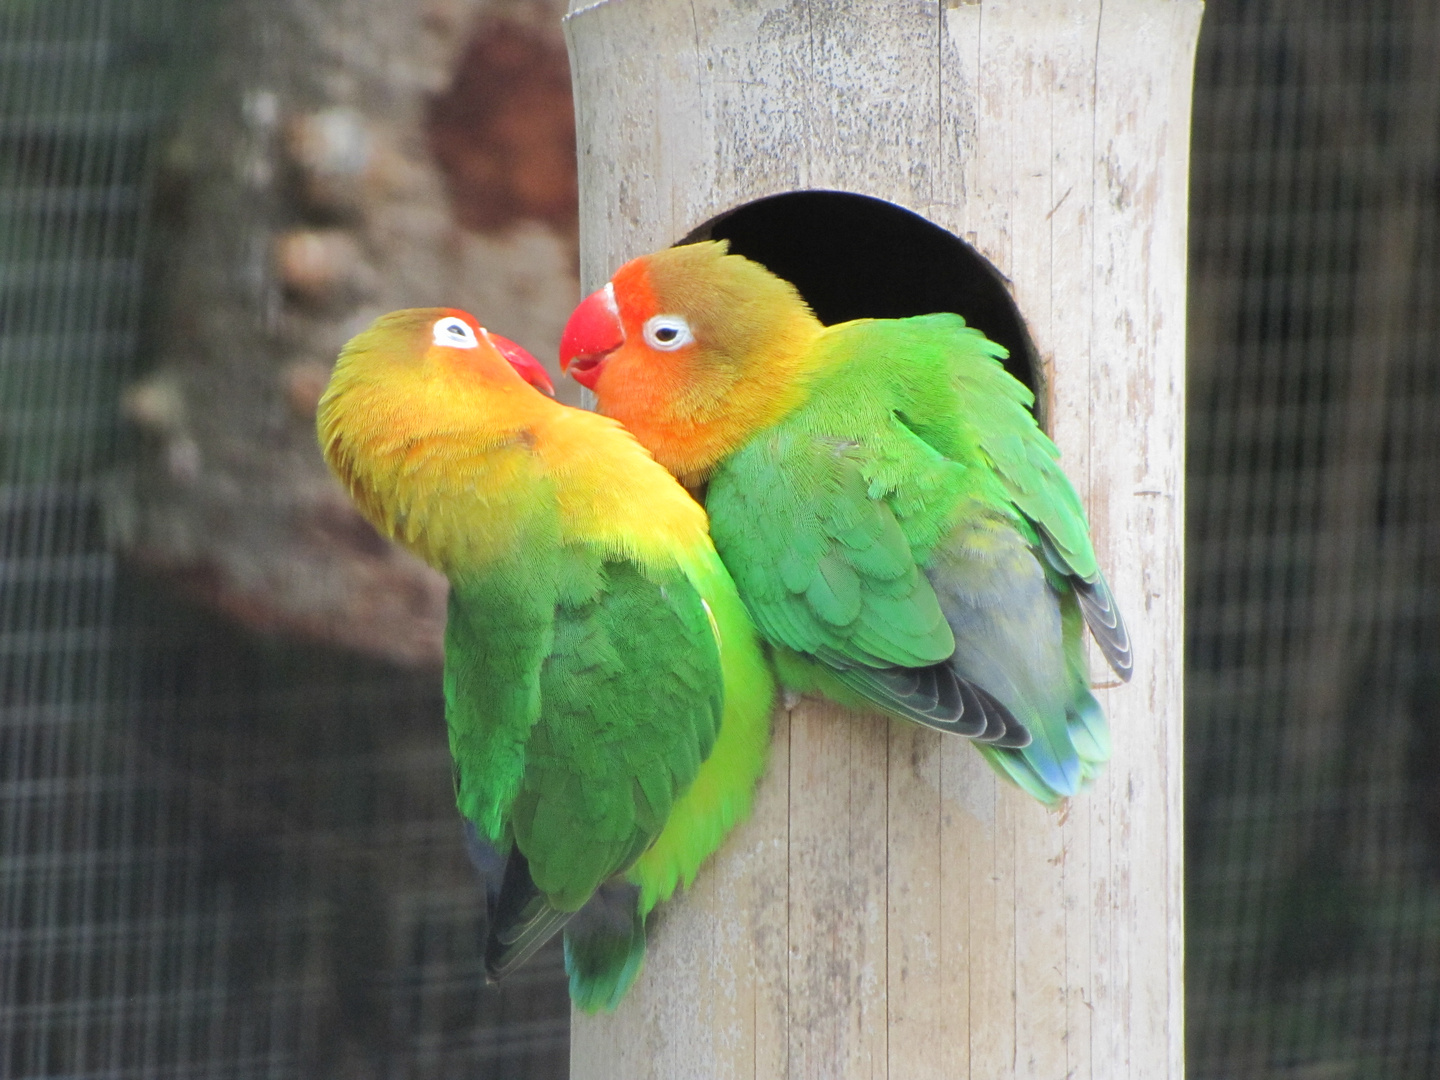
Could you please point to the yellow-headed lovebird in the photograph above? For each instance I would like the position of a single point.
(897, 524)
(606, 696)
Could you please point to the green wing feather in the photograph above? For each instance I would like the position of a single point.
(1028, 464)
(633, 695)
(954, 394)
(820, 531)
(915, 481)
(826, 569)
(605, 946)
(574, 726)
(498, 631)
(984, 418)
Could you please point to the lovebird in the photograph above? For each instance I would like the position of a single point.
(606, 696)
(898, 525)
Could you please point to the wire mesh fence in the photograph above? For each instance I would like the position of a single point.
(1314, 917)
(224, 855)
(220, 855)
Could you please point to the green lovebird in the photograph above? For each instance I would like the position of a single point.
(897, 524)
(607, 699)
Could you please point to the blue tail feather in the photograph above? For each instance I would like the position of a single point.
(605, 947)
(1089, 732)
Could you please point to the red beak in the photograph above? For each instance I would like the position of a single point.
(592, 334)
(530, 369)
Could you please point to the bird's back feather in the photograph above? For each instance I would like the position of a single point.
(910, 514)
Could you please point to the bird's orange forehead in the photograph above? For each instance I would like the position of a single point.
(463, 316)
(635, 294)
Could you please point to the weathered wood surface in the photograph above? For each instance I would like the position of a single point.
(892, 910)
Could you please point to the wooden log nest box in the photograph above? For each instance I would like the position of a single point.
(892, 909)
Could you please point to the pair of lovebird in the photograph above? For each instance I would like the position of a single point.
(887, 526)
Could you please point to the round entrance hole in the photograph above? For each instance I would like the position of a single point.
(854, 257)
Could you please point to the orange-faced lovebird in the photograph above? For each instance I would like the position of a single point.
(897, 524)
(606, 696)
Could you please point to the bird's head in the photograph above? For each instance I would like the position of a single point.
(692, 348)
(421, 371)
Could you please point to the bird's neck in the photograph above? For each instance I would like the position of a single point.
(691, 442)
(448, 475)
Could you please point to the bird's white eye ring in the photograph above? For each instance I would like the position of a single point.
(453, 333)
(667, 332)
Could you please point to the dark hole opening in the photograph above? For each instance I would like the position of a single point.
(855, 257)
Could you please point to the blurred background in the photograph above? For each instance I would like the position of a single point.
(227, 842)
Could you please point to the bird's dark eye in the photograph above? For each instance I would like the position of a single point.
(668, 332)
(453, 333)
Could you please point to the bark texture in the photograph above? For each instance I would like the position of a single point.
(343, 158)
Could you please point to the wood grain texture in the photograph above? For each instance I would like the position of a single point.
(892, 910)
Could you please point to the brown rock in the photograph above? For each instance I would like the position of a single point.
(331, 153)
(318, 266)
(304, 382)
